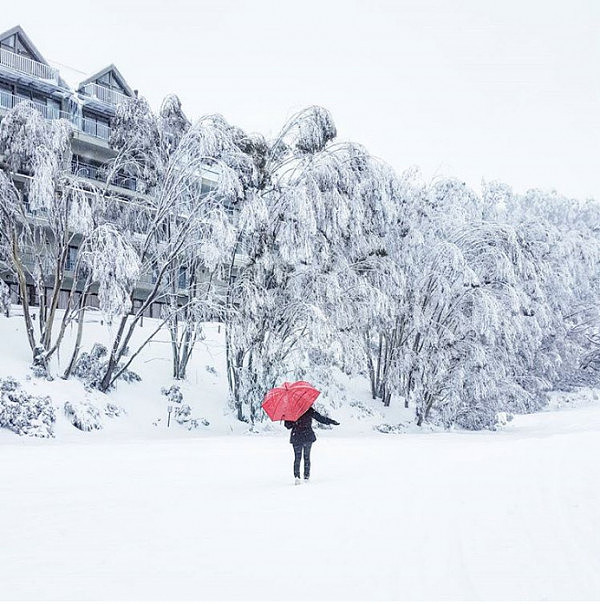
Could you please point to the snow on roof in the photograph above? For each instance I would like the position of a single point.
(71, 76)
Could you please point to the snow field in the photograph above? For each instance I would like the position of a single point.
(434, 516)
(139, 511)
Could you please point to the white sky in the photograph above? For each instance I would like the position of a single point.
(494, 89)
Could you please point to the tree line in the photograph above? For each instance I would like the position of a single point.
(312, 253)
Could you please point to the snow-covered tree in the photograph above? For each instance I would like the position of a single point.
(311, 219)
(44, 213)
(169, 227)
(484, 313)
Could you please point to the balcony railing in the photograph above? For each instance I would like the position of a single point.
(8, 101)
(93, 127)
(105, 95)
(26, 65)
(99, 173)
(87, 125)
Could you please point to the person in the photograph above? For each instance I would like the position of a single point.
(302, 437)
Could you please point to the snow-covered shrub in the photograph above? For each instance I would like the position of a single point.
(9, 384)
(91, 367)
(24, 413)
(173, 394)
(388, 428)
(112, 410)
(362, 410)
(181, 412)
(83, 416)
(129, 376)
(503, 419)
(199, 422)
(39, 366)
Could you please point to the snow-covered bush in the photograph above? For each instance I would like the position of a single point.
(83, 415)
(24, 413)
(91, 367)
(112, 410)
(9, 384)
(199, 422)
(182, 412)
(389, 428)
(503, 419)
(361, 409)
(173, 394)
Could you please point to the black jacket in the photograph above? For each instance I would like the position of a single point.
(302, 431)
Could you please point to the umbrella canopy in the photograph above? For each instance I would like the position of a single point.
(289, 401)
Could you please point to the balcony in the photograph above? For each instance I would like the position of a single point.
(99, 173)
(27, 66)
(93, 127)
(105, 95)
(8, 101)
(89, 126)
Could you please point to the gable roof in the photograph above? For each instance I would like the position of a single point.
(117, 75)
(36, 54)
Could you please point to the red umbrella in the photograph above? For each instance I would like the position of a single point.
(289, 401)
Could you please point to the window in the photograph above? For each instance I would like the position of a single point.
(183, 277)
(137, 305)
(71, 259)
(22, 96)
(53, 109)
(9, 43)
(207, 187)
(108, 80)
(15, 44)
(20, 47)
(6, 97)
(96, 125)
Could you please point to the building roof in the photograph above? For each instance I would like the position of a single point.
(70, 78)
(17, 29)
(117, 75)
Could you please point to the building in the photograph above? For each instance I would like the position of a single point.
(88, 103)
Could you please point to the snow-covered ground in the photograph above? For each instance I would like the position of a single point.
(142, 511)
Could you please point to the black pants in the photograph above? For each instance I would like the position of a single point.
(298, 450)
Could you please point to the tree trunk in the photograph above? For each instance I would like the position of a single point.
(22, 279)
(371, 368)
(114, 356)
(77, 348)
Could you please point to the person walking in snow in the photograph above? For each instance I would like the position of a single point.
(302, 438)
